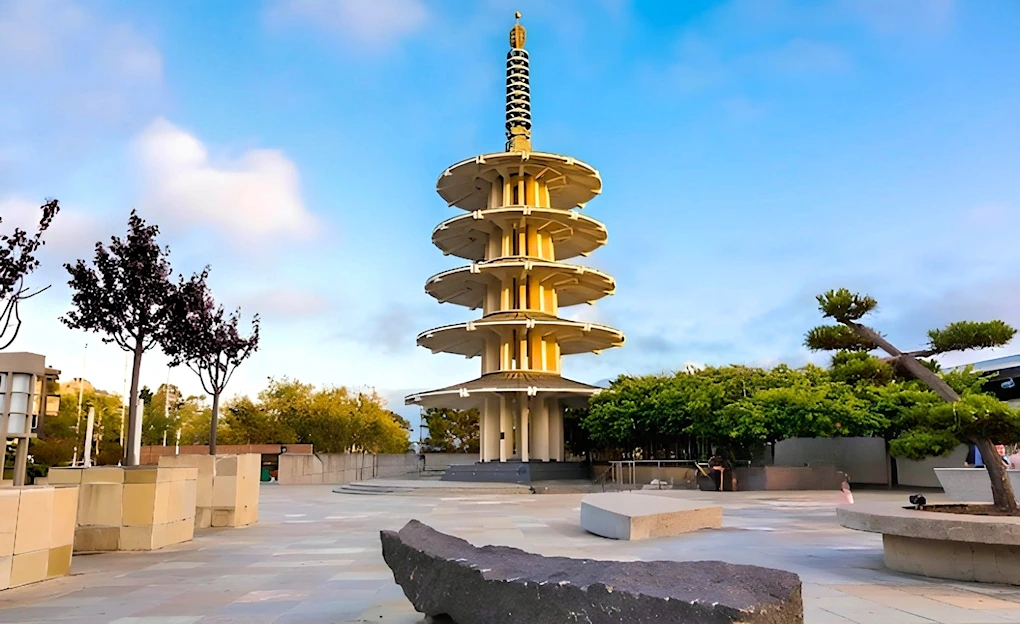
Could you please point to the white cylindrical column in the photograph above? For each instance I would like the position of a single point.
(540, 430)
(555, 430)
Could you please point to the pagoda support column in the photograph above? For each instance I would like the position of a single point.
(525, 434)
(540, 430)
(505, 431)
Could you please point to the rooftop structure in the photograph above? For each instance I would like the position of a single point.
(521, 222)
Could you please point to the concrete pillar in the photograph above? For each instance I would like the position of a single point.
(21, 462)
(525, 417)
(481, 430)
(540, 430)
(504, 430)
(555, 430)
(492, 429)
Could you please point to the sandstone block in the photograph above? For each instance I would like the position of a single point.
(101, 474)
(65, 515)
(139, 503)
(29, 567)
(58, 561)
(101, 504)
(5, 571)
(35, 515)
(9, 500)
(97, 538)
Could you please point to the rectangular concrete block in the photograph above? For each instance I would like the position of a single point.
(35, 515)
(223, 518)
(29, 567)
(59, 561)
(189, 499)
(65, 516)
(142, 474)
(101, 504)
(139, 503)
(101, 474)
(166, 491)
(97, 539)
(633, 516)
(224, 492)
(135, 538)
(9, 500)
(60, 476)
(5, 571)
(203, 517)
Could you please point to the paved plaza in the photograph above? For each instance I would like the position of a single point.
(314, 557)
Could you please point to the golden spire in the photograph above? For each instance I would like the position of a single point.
(518, 34)
(518, 92)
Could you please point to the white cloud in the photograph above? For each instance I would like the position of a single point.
(72, 234)
(66, 75)
(254, 197)
(375, 23)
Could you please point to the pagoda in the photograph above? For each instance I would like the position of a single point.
(521, 221)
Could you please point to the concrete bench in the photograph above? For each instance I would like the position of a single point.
(634, 516)
(960, 547)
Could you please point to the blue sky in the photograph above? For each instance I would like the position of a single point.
(754, 153)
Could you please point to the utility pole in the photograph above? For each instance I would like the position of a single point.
(81, 390)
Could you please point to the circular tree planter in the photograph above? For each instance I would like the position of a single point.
(938, 544)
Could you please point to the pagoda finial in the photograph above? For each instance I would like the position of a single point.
(518, 91)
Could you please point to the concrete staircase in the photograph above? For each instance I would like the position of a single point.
(428, 487)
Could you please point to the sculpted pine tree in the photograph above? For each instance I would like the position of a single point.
(17, 260)
(207, 341)
(974, 418)
(125, 296)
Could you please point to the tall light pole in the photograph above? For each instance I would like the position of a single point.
(81, 391)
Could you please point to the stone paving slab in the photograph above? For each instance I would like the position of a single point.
(314, 557)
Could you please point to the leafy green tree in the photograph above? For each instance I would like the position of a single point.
(246, 422)
(450, 430)
(931, 430)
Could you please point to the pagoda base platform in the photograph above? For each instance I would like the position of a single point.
(516, 471)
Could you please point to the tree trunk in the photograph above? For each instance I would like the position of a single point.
(1002, 489)
(212, 423)
(131, 457)
(908, 362)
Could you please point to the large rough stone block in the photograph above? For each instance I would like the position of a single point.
(630, 516)
(444, 575)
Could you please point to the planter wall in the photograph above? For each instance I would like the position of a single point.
(757, 478)
(131, 507)
(227, 487)
(343, 468)
(971, 485)
(36, 533)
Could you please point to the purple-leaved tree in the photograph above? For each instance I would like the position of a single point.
(125, 296)
(207, 340)
(17, 260)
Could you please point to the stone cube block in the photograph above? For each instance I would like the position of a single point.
(9, 501)
(65, 515)
(35, 514)
(29, 567)
(96, 538)
(634, 516)
(59, 561)
(100, 504)
(142, 474)
(226, 465)
(5, 571)
(225, 492)
(61, 476)
(223, 517)
(136, 538)
(101, 474)
(139, 503)
(165, 492)
(203, 517)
